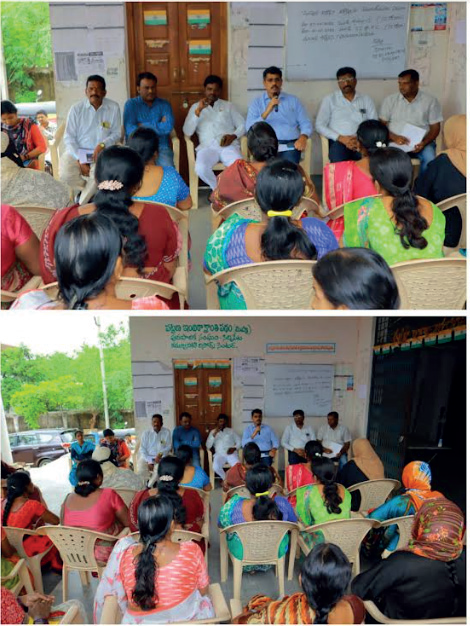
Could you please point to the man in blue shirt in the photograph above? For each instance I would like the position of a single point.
(148, 110)
(285, 113)
(263, 436)
(188, 435)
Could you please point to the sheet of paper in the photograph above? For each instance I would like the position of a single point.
(88, 63)
(334, 447)
(85, 155)
(460, 32)
(414, 133)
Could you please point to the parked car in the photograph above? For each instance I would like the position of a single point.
(39, 447)
(29, 109)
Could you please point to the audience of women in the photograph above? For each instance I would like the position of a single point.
(88, 256)
(187, 503)
(194, 476)
(277, 237)
(398, 225)
(236, 475)
(259, 506)
(324, 578)
(25, 135)
(148, 252)
(20, 250)
(160, 183)
(94, 507)
(323, 502)
(37, 608)
(427, 579)
(238, 181)
(416, 480)
(354, 279)
(154, 579)
(349, 180)
(23, 186)
(446, 176)
(300, 474)
(80, 450)
(114, 477)
(19, 510)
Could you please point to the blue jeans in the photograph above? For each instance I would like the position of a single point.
(267, 460)
(290, 155)
(165, 155)
(427, 154)
(343, 459)
(338, 152)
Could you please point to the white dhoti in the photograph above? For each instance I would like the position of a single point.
(69, 173)
(221, 459)
(208, 156)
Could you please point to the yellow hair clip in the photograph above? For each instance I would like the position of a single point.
(287, 213)
(264, 493)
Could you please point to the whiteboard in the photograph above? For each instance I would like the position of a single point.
(304, 386)
(324, 36)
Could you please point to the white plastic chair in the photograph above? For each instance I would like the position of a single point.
(16, 536)
(380, 618)
(374, 492)
(20, 570)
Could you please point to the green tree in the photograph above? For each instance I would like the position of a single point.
(19, 367)
(26, 35)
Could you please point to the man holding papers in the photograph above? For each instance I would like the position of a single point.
(413, 118)
(335, 439)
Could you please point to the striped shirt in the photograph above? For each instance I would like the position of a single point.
(173, 582)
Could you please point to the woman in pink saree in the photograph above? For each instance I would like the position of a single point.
(351, 180)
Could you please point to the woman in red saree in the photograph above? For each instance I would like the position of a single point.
(20, 250)
(20, 511)
(187, 503)
(238, 181)
(350, 180)
(300, 474)
(150, 237)
(26, 136)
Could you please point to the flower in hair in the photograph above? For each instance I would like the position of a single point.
(379, 144)
(166, 478)
(317, 454)
(110, 185)
(83, 482)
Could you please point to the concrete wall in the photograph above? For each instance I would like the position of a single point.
(151, 341)
(66, 419)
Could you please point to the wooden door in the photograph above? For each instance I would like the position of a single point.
(204, 393)
(181, 43)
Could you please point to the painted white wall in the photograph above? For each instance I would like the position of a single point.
(353, 337)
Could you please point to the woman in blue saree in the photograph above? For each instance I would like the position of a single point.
(80, 450)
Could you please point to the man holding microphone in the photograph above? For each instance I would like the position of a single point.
(285, 113)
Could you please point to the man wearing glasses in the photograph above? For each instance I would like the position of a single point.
(341, 113)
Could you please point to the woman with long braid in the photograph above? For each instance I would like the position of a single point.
(20, 511)
(156, 580)
(324, 578)
(322, 502)
(398, 225)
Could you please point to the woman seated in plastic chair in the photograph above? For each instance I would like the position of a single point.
(187, 503)
(20, 250)
(95, 508)
(20, 511)
(323, 502)
(259, 506)
(236, 475)
(154, 579)
(149, 252)
(301, 474)
(88, 255)
(194, 476)
(161, 183)
(238, 181)
(239, 241)
(36, 608)
(416, 480)
(25, 135)
(397, 224)
(324, 577)
(348, 180)
(427, 579)
(354, 279)
(365, 465)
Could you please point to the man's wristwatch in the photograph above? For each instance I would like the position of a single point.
(102, 145)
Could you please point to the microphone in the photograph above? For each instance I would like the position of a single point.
(276, 106)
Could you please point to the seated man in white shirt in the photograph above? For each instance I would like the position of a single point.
(416, 107)
(154, 445)
(219, 127)
(226, 443)
(93, 124)
(340, 114)
(334, 433)
(295, 436)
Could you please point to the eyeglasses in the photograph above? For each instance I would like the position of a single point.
(346, 80)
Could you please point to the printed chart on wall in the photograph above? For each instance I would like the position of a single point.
(249, 373)
(153, 389)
